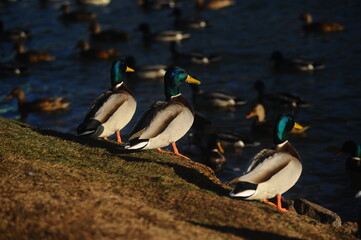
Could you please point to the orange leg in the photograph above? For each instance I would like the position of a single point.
(175, 149)
(162, 151)
(279, 203)
(119, 139)
(105, 138)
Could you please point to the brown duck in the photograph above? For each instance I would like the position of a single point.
(86, 52)
(44, 104)
(31, 56)
(213, 4)
(322, 26)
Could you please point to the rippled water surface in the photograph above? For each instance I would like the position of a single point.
(244, 35)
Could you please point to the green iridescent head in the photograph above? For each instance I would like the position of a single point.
(352, 148)
(283, 126)
(173, 78)
(118, 71)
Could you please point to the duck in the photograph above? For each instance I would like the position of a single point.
(295, 64)
(45, 104)
(80, 15)
(96, 53)
(271, 172)
(31, 56)
(94, 2)
(14, 34)
(193, 57)
(213, 4)
(263, 127)
(146, 72)
(281, 98)
(353, 162)
(218, 99)
(235, 140)
(165, 122)
(185, 23)
(112, 110)
(11, 68)
(107, 35)
(158, 4)
(161, 36)
(322, 26)
(206, 149)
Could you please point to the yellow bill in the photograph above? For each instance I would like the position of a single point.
(190, 79)
(128, 69)
(220, 148)
(297, 126)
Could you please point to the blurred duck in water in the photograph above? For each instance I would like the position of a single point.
(281, 98)
(321, 26)
(45, 104)
(80, 15)
(96, 53)
(282, 64)
(353, 161)
(158, 4)
(146, 72)
(107, 35)
(11, 68)
(217, 99)
(161, 36)
(13, 34)
(192, 57)
(263, 127)
(180, 22)
(213, 4)
(31, 56)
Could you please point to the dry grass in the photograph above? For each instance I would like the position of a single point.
(58, 186)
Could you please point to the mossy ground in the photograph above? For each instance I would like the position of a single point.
(58, 186)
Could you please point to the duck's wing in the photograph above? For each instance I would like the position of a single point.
(266, 164)
(155, 120)
(100, 111)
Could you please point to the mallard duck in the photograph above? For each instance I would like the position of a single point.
(295, 64)
(112, 110)
(354, 149)
(158, 4)
(217, 99)
(190, 22)
(31, 56)
(213, 4)
(107, 35)
(261, 126)
(193, 57)
(283, 98)
(13, 69)
(45, 104)
(325, 26)
(97, 53)
(166, 121)
(145, 72)
(271, 172)
(75, 16)
(162, 36)
(13, 34)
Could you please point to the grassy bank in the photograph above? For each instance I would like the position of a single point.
(58, 186)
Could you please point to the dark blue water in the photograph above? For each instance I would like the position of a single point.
(244, 35)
